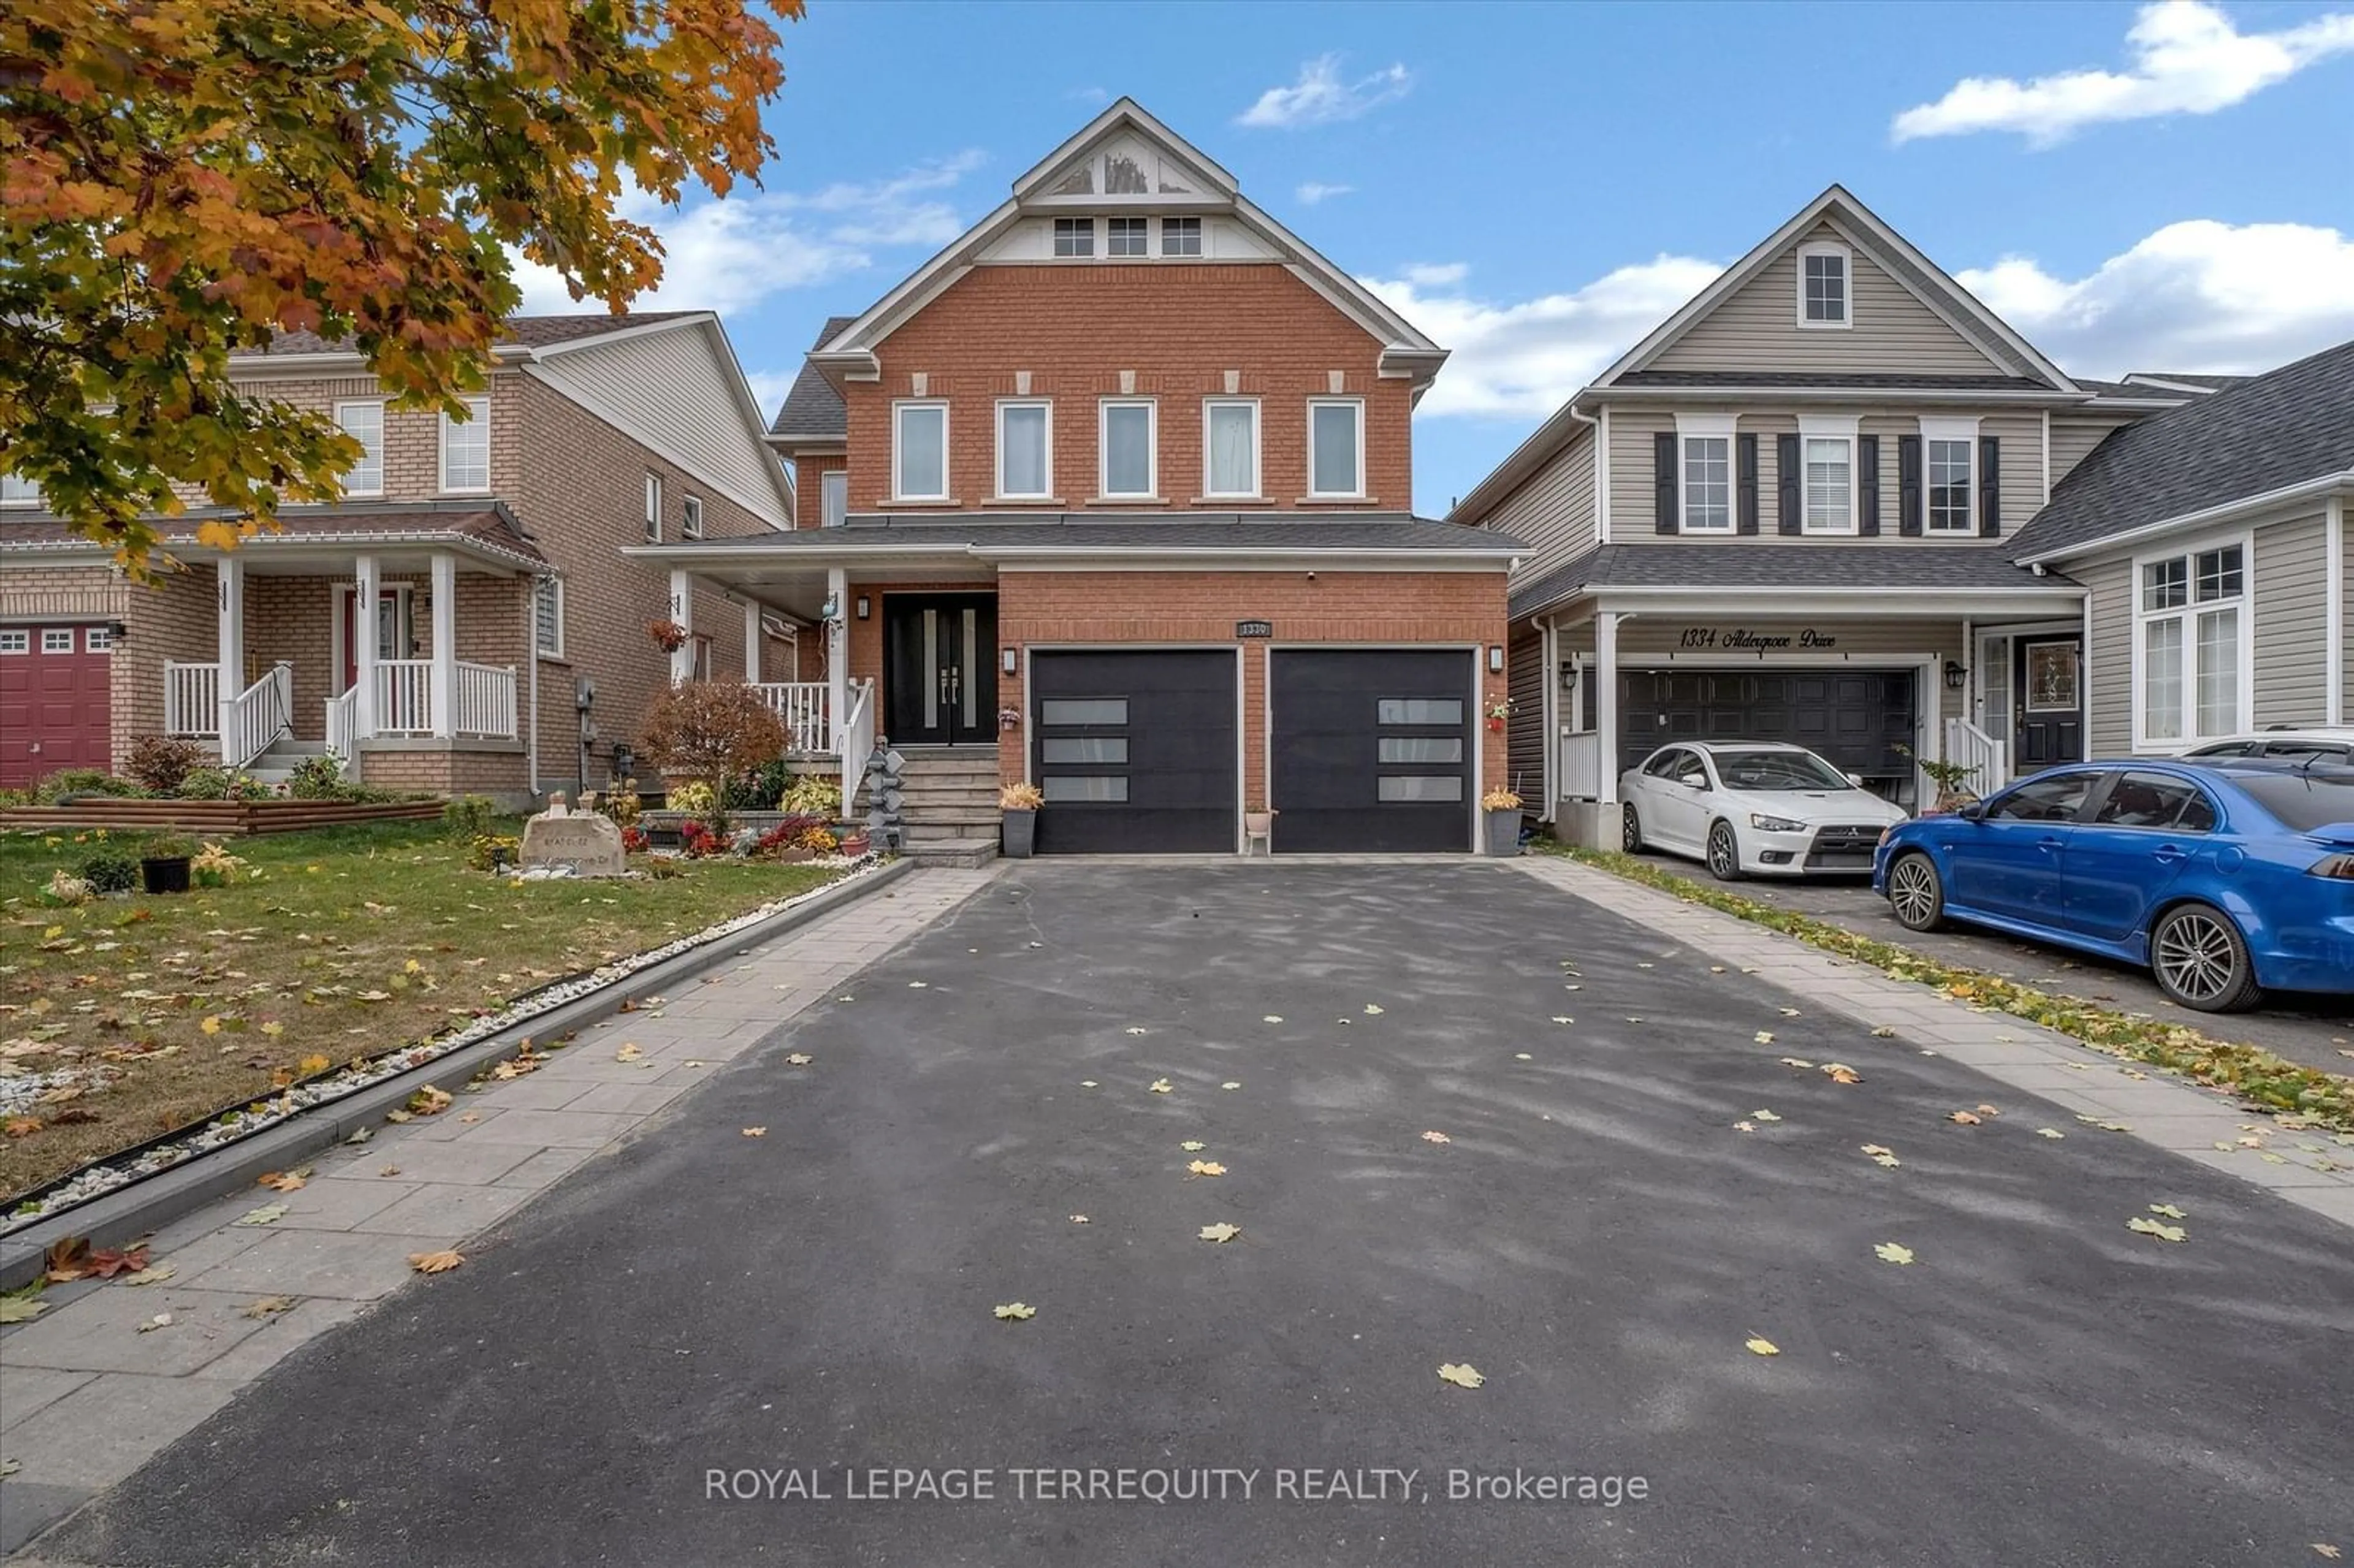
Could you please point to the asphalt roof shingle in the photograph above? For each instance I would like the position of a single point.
(489, 525)
(1806, 379)
(813, 408)
(1243, 530)
(1907, 564)
(2266, 433)
(529, 332)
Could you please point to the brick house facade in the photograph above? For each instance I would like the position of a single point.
(1120, 487)
(525, 548)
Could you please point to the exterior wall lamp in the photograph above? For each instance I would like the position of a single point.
(1495, 658)
(1956, 676)
(864, 608)
(1010, 660)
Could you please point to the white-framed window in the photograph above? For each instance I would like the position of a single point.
(57, 640)
(15, 640)
(1825, 271)
(466, 448)
(364, 422)
(1075, 237)
(1336, 447)
(919, 451)
(1704, 473)
(1230, 447)
(1180, 237)
(2194, 645)
(1827, 475)
(690, 517)
(1025, 448)
(16, 490)
(834, 498)
(548, 616)
(97, 640)
(1128, 236)
(1130, 456)
(653, 508)
(1949, 467)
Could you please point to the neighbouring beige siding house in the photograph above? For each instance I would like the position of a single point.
(1814, 504)
(504, 649)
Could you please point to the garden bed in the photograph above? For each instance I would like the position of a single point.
(210, 818)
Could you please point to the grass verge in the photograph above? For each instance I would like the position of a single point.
(2265, 1081)
(139, 1013)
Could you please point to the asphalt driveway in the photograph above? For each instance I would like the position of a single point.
(2318, 1031)
(1595, 1236)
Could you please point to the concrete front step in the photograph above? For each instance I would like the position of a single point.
(288, 747)
(934, 795)
(967, 852)
(941, 765)
(969, 825)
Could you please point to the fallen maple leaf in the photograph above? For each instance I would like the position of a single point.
(1841, 1072)
(1989, 1110)
(434, 1262)
(1796, 1062)
(268, 1214)
(756, 1132)
(21, 1308)
(629, 1052)
(2167, 1211)
(68, 1259)
(429, 1101)
(1965, 1118)
(1762, 1347)
(1462, 1374)
(1436, 1138)
(1883, 1032)
(1016, 1312)
(1272, 1018)
(268, 1307)
(1744, 1127)
(2048, 1132)
(1890, 1252)
(2323, 1548)
(105, 1263)
(1230, 1083)
(1220, 1232)
(1764, 1116)
(2153, 1228)
(1206, 1168)
(1162, 1087)
(21, 1125)
(159, 1320)
(1765, 1037)
(1192, 1146)
(800, 1059)
(153, 1273)
(1079, 1219)
(285, 1181)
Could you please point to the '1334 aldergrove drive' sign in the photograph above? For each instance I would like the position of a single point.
(1742, 640)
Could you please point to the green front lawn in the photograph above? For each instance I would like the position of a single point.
(329, 945)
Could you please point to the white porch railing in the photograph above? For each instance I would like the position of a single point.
(857, 739)
(192, 699)
(342, 729)
(404, 696)
(1988, 759)
(486, 701)
(802, 705)
(257, 716)
(1581, 765)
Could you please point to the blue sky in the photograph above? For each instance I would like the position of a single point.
(2168, 186)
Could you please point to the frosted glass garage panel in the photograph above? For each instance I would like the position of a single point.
(1087, 748)
(1400, 788)
(1104, 788)
(1083, 710)
(1421, 710)
(1421, 748)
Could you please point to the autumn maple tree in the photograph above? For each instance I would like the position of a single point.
(182, 179)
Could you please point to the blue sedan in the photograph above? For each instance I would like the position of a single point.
(2222, 878)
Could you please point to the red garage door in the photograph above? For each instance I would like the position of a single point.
(53, 706)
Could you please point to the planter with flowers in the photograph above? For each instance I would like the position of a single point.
(668, 635)
(1020, 802)
(1499, 811)
(1498, 712)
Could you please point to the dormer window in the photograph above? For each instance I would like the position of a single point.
(1126, 236)
(1075, 237)
(1823, 294)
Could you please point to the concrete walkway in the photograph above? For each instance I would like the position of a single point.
(2313, 1169)
(89, 1391)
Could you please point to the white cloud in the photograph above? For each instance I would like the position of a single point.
(2187, 58)
(1436, 274)
(1321, 97)
(1523, 360)
(1315, 192)
(2195, 296)
(1090, 95)
(730, 255)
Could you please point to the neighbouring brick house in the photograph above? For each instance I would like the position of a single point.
(1116, 491)
(491, 549)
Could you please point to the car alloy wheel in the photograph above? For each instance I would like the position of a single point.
(1913, 894)
(2200, 960)
(1630, 830)
(1723, 853)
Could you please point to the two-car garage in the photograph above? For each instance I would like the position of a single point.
(1142, 750)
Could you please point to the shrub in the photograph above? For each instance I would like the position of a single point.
(488, 852)
(319, 778)
(622, 804)
(786, 834)
(12, 797)
(213, 866)
(205, 784)
(468, 817)
(698, 840)
(161, 763)
(70, 781)
(107, 872)
(712, 731)
(820, 839)
(757, 790)
(693, 798)
(812, 795)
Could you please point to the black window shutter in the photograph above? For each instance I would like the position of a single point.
(1989, 486)
(1788, 517)
(1663, 482)
(1746, 449)
(1908, 484)
(1867, 457)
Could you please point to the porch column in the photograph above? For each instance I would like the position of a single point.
(229, 607)
(682, 613)
(1550, 703)
(751, 642)
(364, 590)
(1605, 703)
(837, 656)
(445, 643)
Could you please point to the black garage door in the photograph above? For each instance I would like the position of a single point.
(1857, 718)
(1134, 751)
(1372, 751)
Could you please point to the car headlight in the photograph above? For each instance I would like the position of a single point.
(1766, 824)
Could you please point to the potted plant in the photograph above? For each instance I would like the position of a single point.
(1498, 712)
(163, 863)
(668, 635)
(1952, 779)
(1020, 802)
(1499, 809)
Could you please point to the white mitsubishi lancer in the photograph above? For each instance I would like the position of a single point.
(1760, 807)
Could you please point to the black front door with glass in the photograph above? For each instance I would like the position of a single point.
(2047, 702)
(940, 669)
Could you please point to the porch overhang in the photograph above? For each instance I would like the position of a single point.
(402, 536)
(1830, 602)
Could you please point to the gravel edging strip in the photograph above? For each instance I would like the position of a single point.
(116, 1218)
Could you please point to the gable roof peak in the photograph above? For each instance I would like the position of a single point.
(1124, 114)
